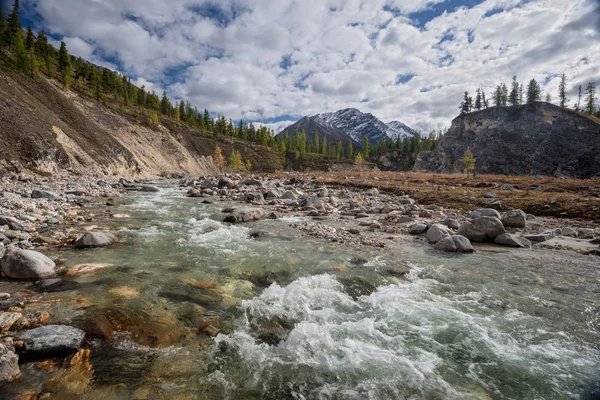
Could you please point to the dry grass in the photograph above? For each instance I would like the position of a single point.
(543, 196)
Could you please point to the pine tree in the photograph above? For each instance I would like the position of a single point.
(521, 90)
(504, 95)
(315, 147)
(18, 47)
(498, 96)
(165, 105)
(218, 157)
(533, 92)
(34, 65)
(548, 98)
(578, 105)
(66, 78)
(349, 150)
(235, 160)
(366, 147)
(2, 26)
(590, 100)
(562, 91)
(468, 161)
(513, 99)
(478, 100)
(324, 145)
(64, 61)
(483, 99)
(13, 28)
(467, 104)
(30, 40)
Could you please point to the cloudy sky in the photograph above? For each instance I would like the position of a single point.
(277, 60)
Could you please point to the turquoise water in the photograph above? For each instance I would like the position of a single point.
(300, 318)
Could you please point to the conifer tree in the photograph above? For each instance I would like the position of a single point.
(504, 95)
(578, 104)
(324, 145)
(30, 40)
(483, 99)
(590, 100)
(315, 148)
(34, 64)
(359, 161)
(64, 61)
(478, 104)
(13, 28)
(513, 99)
(18, 48)
(467, 104)
(366, 147)
(165, 105)
(218, 157)
(2, 26)
(350, 150)
(248, 165)
(533, 92)
(562, 91)
(468, 161)
(548, 98)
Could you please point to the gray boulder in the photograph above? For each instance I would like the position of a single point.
(95, 239)
(43, 194)
(51, 340)
(245, 214)
(451, 223)
(514, 219)
(9, 362)
(27, 264)
(482, 229)
(418, 228)
(484, 212)
(149, 189)
(508, 239)
(454, 244)
(437, 232)
(312, 201)
(254, 197)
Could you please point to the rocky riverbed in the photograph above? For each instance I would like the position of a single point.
(39, 216)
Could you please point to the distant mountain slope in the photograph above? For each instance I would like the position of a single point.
(537, 139)
(348, 124)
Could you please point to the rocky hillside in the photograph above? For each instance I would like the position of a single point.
(47, 129)
(346, 125)
(537, 139)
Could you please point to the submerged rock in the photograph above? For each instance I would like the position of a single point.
(27, 264)
(95, 239)
(54, 285)
(482, 229)
(51, 340)
(245, 214)
(85, 269)
(454, 244)
(9, 362)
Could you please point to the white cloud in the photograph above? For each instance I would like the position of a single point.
(337, 53)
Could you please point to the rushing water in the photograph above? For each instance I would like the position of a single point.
(305, 319)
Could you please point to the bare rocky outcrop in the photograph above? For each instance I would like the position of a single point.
(538, 139)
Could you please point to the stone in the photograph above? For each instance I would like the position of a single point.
(372, 192)
(149, 189)
(31, 319)
(514, 219)
(484, 212)
(312, 201)
(7, 319)
(288, 195)
(451, 223)
(85, 269)
(43, 194)
(245, 214)
(482, 229)
(540, 237)
(95, 239)
(418, 228)
(54, 285)
(490, 195)
(28, 265)
(511, 240)
(50, 340)
(437, 232)
(272, 194)
(454, 244)
(9, 362)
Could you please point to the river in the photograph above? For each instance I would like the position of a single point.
(300, 318)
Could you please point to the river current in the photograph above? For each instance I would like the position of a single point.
(301, 318)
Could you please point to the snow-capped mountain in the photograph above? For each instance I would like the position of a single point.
(349, 124)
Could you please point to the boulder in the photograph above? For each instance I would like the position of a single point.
(50, 340)
(372, 192)
(437, 232)
(490, 195)
(482, 229)
(254, 197)
(484, 212)
(514, 219)
(418, 228)
(451, 223)
(43, 194)
(7, 319)
(149, 189)
(454, 244)
(508, 239)
(95, 239)
(312, 201)
(27, 264)
(9, 362)
(245, 214)
(288, 195)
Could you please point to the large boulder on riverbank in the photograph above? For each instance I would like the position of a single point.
(246, 214)
(508, 239)
(95, 239)
(27, 265)
(482, 229)
(514, 219)
(437, 232)
(51, 340)
(43, 194)
(454, 244)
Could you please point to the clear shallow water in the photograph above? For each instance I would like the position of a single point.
(304, 319)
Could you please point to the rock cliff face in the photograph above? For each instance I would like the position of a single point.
(537, 139)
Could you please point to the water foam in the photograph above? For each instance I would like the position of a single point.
(402, 341)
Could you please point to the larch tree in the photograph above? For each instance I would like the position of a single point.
(468, 161)
(218, 157)
(562, 91)
(590, 99)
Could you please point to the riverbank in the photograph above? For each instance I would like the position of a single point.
(199, 269)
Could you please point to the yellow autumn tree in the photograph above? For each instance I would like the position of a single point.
(468, 161)
(218, 157)
(359, 161)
